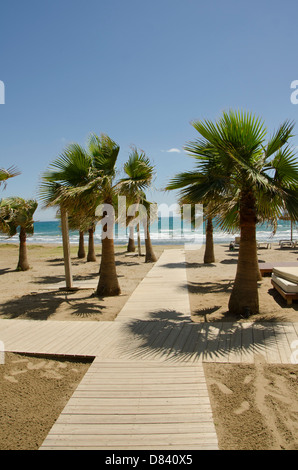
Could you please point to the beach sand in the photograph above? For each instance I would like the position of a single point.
(254, 405)
(210, 285)
(34, 294)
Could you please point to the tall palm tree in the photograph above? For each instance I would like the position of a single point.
(139, 173)
(71, 170)
(256, 181)
(79, 181)
(17, 212)
(105, 152)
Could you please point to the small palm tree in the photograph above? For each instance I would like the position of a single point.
(149, 252)
(139, 171)
(253, 181)
(201, 186)
(17, 212)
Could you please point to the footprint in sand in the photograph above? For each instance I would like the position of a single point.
(10, 379)
(242, 408)
(222, 387)
(19, 360)
(17, 372)
(32, 366)
(62, 366)
(247, 379)
(51, 374)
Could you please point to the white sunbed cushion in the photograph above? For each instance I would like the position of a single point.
(289, 273)
(287, 286)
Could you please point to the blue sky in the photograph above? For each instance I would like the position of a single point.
(140, 72)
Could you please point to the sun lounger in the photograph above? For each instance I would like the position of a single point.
(267, 268)
(234, 244)
(287, 243)
(289, 273)
(263, 245)
(285, 281)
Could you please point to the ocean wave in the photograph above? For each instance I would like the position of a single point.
(50, 233)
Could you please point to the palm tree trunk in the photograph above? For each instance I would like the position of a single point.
(209, 248)
(108, 284)
(23, 264)
(139, 240)
(244, 299)
(81, 250)
(66, 248)
(131, 248)
(150, 256)
(91, 249)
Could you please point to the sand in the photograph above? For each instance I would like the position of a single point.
(33, 393)
(34, 294)
(255, 405)
(210, 285)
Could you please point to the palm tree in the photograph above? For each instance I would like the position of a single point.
(149, 252)
(71, 170)
(9, 173)
(79, 181)
(200, 186)
(104, 152)
(139, 173)
(17, 212)
(256, 181)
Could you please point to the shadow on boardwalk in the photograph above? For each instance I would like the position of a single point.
(166, 337)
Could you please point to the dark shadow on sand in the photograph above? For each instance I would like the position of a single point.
(43, 305)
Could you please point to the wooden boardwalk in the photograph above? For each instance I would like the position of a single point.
(146, 387)
(162, 341)
(162, 294)
(143, 405)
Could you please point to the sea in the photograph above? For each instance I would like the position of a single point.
(163, 231)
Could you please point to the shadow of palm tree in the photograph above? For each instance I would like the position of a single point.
(6, 270)
(208, 287)
(85, 309)
(43, 305)
(206, 311)
(229, 261)
(188, 264)
(39, 306)
(175, 341)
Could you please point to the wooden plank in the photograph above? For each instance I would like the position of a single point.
(99, 429)
(194, 416)
(132, 410)
(142, 414)
(135, 447)
(212, 341)
(247, 354)
(282, 343)
(272, 352)
(78, 440)
(235, 349)
(259, 349)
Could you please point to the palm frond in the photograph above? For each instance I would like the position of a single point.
(11, 172)
(104, 152)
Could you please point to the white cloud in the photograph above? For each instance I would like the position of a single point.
(173, 150)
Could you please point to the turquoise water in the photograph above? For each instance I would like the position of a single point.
(165, 230)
